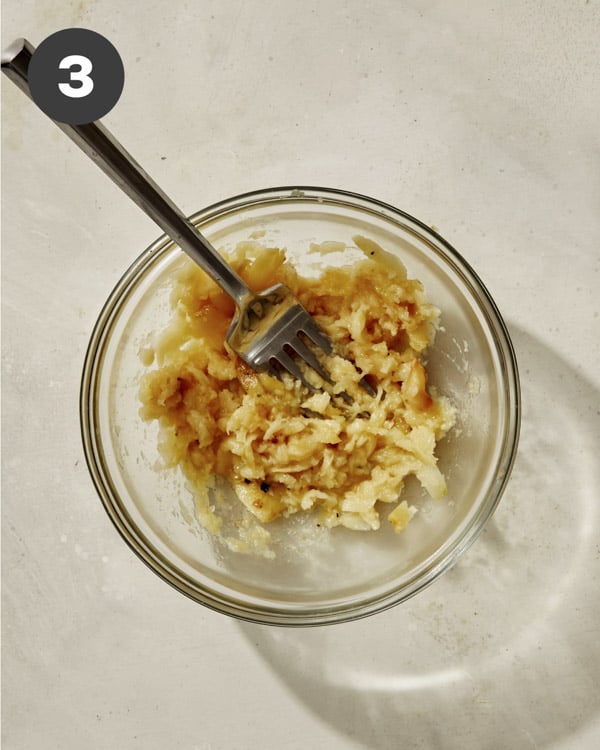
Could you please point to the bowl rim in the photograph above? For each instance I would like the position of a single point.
(270, 614)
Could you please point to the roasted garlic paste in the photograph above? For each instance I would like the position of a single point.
(339, 453)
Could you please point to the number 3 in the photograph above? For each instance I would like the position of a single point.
(81, 75)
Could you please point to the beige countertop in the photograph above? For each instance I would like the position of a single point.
(481, 118)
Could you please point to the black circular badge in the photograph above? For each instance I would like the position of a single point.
(76, 76)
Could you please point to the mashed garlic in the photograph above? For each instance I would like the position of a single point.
(281, 448)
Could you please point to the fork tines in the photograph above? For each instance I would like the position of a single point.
(300, 323)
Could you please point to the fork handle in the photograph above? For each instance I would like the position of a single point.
(106, 151)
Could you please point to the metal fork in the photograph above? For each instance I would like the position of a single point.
(267, 329)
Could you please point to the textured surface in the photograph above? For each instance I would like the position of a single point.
(481, 118)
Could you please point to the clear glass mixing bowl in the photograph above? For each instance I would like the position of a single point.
(318, 576)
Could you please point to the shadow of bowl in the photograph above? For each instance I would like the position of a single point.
(503, 649)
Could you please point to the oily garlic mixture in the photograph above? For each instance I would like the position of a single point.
(282, 449)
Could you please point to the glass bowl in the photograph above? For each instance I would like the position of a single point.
(318, 576)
